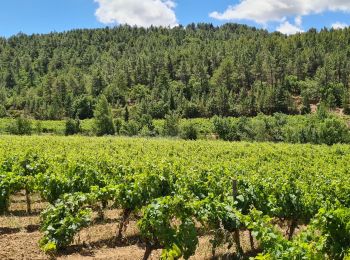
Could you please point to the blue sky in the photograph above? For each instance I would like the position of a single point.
(287, 16)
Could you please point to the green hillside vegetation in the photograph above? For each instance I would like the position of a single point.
(317, 128)
(195, 71)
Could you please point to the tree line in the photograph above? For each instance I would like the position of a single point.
(195, 71)
(321, 127)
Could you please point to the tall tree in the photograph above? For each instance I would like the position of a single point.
(103, 118)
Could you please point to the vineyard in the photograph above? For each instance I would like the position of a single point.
(288, 201)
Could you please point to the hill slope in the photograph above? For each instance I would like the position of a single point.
(198, 71)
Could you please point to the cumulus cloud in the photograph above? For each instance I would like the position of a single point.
(339, 25)
(263, 12)
(136, 12)
(276, 10)
(288, 28)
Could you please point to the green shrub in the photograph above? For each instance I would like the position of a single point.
(191, 110)
(2, 111)
(130, 128)
(244, 129)
(333, 130)
(72, 127)
(118, 124)
(38, 127)
(83, 107)
(268, 128)
(189, 131)
(171, 125)
(147, 126)
(146, 132)
(225, 128)
(21, 126)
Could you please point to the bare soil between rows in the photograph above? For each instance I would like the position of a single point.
(20, 235)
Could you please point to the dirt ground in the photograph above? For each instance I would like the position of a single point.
(19, 236)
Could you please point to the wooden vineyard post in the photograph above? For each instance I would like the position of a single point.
(236, 232)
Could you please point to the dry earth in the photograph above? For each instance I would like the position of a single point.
(19, 236)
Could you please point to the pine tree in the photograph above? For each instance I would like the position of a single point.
(103, 118)
(346, 102)
(126, 114)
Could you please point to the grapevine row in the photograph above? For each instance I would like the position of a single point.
(171, 187)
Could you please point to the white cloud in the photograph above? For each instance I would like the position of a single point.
(266, 11)
(339, 25)
(288, 28)
(137, 12)
(298, 20)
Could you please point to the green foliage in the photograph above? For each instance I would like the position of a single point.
(275, 246)
(192, 110)
(171, 125)
(157, 228)
(159, 109)
(103, 118)
(130, 128)
(63, 220)
(220, 217)
(72, 127)
(3, 111)
(334, 225)
(172, 186)
(225, 128)
(118, 124)
(327, 237)
(21, 126)
(189, 131)
(147, 126)
(38, 127)
(79, 177)
(334, 130)
(235, 72)
(9, 183)
(126, 114)
(320, 128)
(83, 107)
(19, 173)
(322, 111)
(346, 101)
(245, 129)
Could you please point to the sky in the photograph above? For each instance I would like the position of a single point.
(286, 16)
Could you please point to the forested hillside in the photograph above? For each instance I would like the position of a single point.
(196, 71)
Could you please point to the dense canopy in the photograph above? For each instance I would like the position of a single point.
(197, 71)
